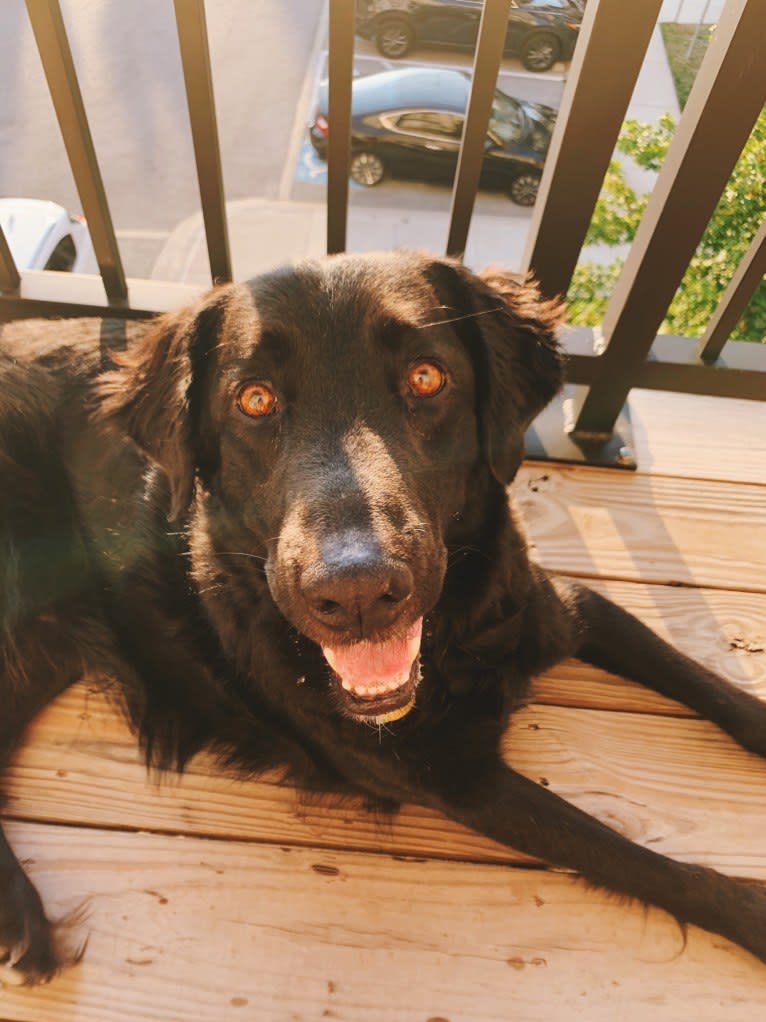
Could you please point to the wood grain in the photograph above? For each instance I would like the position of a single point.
(725, 631)
(213, 899)
(699, 438)
(601, 523)
(190, 930)
(81, 767)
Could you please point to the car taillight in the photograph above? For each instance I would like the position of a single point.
(321, 124)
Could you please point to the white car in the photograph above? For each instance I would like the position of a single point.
(43, 236)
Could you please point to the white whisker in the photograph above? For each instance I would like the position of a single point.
(457, 319)
(239, 553)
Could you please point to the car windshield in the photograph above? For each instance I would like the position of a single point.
(506, 121)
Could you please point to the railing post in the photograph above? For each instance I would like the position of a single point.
(489, 52)
(748, 276)
(607, 60)
(707, 142)
(341, 44)
(195, 59)
(56, 55)
(9, 274)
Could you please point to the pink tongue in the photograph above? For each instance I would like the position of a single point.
(373, 668)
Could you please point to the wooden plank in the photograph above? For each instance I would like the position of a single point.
(697, 437)
(696, 796)
(725, 631)
(186, 930)
(678, 786)
(595, 522)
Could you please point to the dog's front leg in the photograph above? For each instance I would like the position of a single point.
(518, 812)
(32, 947)
(611, 638)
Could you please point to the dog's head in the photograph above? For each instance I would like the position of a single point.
(342, 420)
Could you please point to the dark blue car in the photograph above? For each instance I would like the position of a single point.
(408, 123)
(540, 32)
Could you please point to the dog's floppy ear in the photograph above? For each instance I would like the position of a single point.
(511, 333)
(155, 393)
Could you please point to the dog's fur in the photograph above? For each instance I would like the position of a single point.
(201, 559)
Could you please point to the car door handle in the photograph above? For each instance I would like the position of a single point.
(435, 148)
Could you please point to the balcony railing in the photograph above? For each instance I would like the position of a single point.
(591, 423)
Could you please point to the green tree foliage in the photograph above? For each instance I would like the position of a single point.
(731, 229)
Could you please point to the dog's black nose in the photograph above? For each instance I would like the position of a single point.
(358, 590)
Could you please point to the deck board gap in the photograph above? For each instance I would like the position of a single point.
(607, 576)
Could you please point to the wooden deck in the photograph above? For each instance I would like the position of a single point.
(214, 900)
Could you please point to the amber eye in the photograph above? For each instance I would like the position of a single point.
(256, 400)
(426, 379)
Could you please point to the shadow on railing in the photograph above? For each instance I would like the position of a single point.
(591, 423)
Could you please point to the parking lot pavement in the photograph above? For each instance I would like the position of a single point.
(393, 195)
(140, 249)
(297, 230)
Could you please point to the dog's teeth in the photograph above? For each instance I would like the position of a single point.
(378, 688)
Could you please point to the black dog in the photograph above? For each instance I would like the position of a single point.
(276, 524)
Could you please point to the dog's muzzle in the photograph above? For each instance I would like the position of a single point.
(378, 679)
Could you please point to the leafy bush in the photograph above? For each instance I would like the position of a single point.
(731, 229)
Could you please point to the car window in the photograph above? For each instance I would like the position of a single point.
(507, 119)
(63, 256)
(431, 122)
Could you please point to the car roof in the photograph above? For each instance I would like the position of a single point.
(434, 88)
(26, 224)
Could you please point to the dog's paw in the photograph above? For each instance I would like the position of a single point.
(32, 948)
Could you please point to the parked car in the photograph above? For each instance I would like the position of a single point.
(43, 236)
(409, 122)
(540, 32)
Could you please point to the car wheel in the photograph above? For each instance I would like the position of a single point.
(524, 188)
(367, 169)
(394, 38)
(540, 52)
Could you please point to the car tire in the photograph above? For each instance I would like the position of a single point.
(540, 51)
(523, 190)
(366, 169)
(394, 38)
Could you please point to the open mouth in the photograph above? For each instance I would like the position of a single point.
(378, 679)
